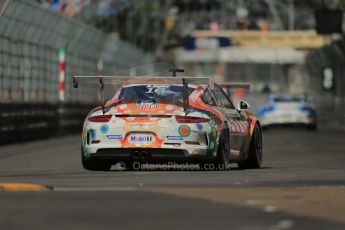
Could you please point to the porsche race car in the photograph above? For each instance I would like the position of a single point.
(288, 110)
(165, 119)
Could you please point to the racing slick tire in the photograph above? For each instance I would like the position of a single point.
(222, 161)
(254, 159)
(94, 164)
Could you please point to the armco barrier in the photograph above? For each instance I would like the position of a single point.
(26, 121)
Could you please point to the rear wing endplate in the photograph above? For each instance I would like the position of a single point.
(235, 85)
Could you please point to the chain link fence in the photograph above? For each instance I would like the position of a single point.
(30, 37)
(31, 40)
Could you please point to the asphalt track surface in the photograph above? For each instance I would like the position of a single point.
(301, 186)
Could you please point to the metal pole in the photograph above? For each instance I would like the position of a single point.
(340, 81)
(62, 73)
(291, 15)
(100, 67)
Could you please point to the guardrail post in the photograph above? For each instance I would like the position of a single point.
(60, 108)
(62, 73)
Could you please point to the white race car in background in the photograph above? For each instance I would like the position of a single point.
(288, 110)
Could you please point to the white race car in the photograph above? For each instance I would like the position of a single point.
(288, 110)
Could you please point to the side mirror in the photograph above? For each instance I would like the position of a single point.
(242, 105)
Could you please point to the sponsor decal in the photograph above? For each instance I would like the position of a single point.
(175, 138)
(145, 104)
(184, 130)
(114, 137)
(104, 128)
(141, 138)
(199, 126)
(140, 125)
(159, 89)
(92, 133)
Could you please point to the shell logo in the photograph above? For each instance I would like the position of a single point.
(184, 130)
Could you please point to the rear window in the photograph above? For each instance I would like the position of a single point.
(287, 99)
(157, 92)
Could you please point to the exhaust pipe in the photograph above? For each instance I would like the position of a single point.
(140, 154)
(145, 154)
(135, 154)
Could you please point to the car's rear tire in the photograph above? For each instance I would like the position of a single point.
(222, 161)
(254, 159)
(94, 164)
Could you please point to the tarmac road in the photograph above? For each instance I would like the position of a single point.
(301, 186)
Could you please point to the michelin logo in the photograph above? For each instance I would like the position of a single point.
(114, 137)
(175, 138)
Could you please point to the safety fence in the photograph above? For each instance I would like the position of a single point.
(40, 51)
(33, 38)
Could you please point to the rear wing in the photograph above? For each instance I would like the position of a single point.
(235, 85)
(115, 80)
(119, 80)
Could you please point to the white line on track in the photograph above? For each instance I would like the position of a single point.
(270, 208)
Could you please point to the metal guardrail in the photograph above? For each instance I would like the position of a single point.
(27, 121)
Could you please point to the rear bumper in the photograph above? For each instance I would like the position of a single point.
(296, 119)
(150, 155)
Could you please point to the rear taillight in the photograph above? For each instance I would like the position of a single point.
(188, 119)
(100, 118)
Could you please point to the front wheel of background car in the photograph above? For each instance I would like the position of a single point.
(254, 159)
(93, 164)
(223, 149)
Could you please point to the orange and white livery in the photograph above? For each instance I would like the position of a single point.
(159, 119)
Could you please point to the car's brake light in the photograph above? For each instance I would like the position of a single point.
(100, 118)
(188, 119)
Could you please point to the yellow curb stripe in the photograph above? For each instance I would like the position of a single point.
(23, 187)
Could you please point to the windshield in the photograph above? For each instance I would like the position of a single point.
(166, 93)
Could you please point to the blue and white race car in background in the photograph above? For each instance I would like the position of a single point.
(288, 110)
